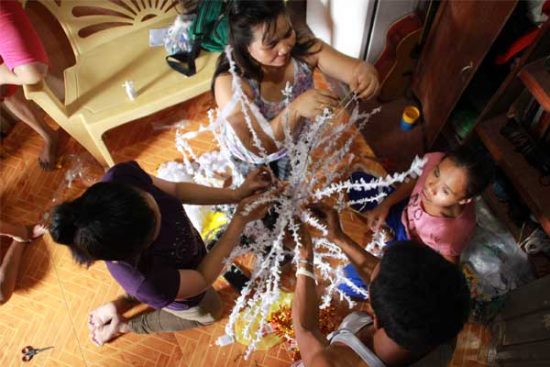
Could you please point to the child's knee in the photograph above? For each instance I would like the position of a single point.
(31, 73)
(215, 310)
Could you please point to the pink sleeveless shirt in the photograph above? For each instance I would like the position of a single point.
(447, 236)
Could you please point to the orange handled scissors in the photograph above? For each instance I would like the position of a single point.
(29, 352)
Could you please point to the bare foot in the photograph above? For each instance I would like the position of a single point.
(48, 157)
(106, 324)
(108, 332)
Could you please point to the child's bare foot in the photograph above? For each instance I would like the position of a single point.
(26, 234)
(48, 156)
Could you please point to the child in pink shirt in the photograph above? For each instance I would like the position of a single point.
(437, 209)
(440, 213)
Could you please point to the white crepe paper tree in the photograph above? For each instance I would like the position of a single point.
(310, 181)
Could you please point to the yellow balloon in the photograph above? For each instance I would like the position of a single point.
(212, 223)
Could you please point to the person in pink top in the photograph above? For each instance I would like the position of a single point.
(23, 61)
(437, 209)
(441, 212)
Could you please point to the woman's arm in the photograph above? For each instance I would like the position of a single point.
(191, 193)
(361, 76)
(194, 282)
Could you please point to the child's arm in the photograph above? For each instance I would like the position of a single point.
(191, 193)
(361, 77)
(362, 260)
(377, 216)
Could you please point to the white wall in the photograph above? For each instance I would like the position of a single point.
(387, 12)
(346, 24)
(341, 23)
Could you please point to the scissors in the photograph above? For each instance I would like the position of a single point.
(29, 352)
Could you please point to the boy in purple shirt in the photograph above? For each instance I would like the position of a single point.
(136, 224)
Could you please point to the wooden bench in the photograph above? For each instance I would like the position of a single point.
(110, 41)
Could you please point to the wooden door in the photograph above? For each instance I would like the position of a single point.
(459, 39)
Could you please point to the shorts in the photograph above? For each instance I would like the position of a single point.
(19, 41)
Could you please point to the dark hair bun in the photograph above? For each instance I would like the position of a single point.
(63, 222)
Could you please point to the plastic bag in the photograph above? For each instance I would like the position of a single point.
(177, 39)
(494, 263)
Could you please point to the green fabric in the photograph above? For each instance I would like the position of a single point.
(211, 27)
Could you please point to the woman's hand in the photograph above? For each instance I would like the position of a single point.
(312, 103)
(364, 81)
(256, 182)
(248, 210)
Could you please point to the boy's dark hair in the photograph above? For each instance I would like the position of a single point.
(110, 221)
(243, 15)
(420, 299)
(480, 167)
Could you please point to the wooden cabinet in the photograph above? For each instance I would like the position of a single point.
(462, 34)
(529, 74)
(460, 37)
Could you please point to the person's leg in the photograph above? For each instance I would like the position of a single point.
(106, 322)
(24, 74)
(15, 231)
(206, 312)
(21, 233)
(9, 268)
(7, 90)
(23, 55)
(21, 109)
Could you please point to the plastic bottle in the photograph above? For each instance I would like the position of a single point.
(177, 38)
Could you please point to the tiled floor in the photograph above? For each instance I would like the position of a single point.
(54, 295)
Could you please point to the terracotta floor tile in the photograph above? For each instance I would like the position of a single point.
(55, 295)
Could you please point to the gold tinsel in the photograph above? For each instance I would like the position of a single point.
(281, 322)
